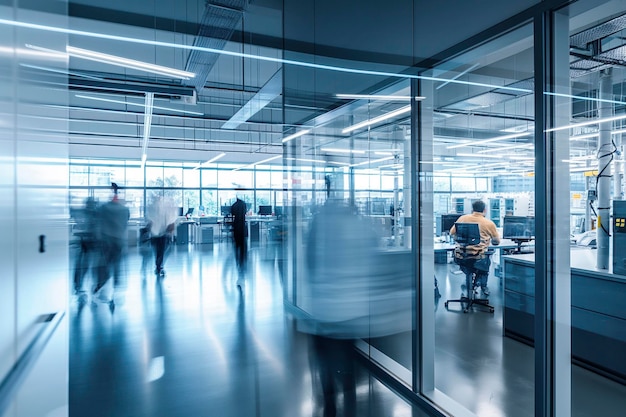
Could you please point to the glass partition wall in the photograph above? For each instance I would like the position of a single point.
(476, 143)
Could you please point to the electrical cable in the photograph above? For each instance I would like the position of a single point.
(602, 174)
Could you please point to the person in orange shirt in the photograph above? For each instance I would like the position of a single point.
(488, 235)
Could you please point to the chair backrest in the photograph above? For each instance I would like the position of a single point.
(467, 234)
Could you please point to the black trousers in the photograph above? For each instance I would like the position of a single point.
(160, 245)
(335, 363)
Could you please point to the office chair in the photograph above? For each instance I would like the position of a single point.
(468, 234)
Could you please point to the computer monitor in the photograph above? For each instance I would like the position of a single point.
(189, 211)
(265, 210)
(518, 227)
(180, 211)
(467, 234)
(447, 221)
(225, 210)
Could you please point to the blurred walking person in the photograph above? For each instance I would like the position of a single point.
(113, 225)
(238, 211)
(162, 216)
(88, 251)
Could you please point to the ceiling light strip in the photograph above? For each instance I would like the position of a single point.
(258, 162)
(127, 63)
(372, 162)
(590, 122)
(295, 135)
(496, 139)
(377, 97)
(98, 35)
(459, 75)
(147, 124)
(378, 119)
(338, 150)
(215, 158)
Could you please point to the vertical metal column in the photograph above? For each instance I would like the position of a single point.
(605, 153)
(552, 184)
(420, 187)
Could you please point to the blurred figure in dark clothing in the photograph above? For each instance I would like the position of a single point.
(87, 256)
(113, 219)
(238, 211)
(348, 295)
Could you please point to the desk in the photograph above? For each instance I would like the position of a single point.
(598, 314)
(506, 245)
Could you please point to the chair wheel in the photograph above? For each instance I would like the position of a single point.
(465, 310)
(491, 310)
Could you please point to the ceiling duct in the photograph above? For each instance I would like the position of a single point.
(183, 94)
(219, 21)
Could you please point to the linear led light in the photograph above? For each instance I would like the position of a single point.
(295, 135)
(585, 136)
(590, 122)
(130, 103)
(378, 119)
(215, 158)
(496, 139)
(147, 125)
(33, 52)
(459, 75)
(377, 97)
(258, 162)
(372, 162)
(315, 161)
(479, 156)
(99, 35)
(338, 150)
(504, 148)
(127, 63)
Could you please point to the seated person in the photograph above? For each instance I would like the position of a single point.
(474, 256)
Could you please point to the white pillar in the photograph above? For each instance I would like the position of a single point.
(605, 148)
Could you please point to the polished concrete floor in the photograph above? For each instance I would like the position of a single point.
(193, 344)
(492, 375)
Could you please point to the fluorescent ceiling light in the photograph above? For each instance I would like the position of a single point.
(215, 158)
(127, 63)
(377, 97)
(585, 136)
(33, 52)
(338, 150)
(590, 122)
(490, 140)
(504, 148)
(457, 76)
(147, 124)
(373, 162)
(478, 155)
(522, 158)
(315, 161)
(383, 153)
(262, 98)
(295, 135)
(99, 35)
(130, 103)
(378, 119)
(259, 162)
